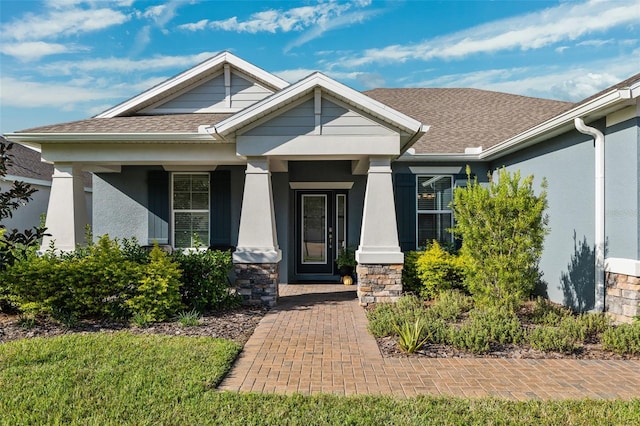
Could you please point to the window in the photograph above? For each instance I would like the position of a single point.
(434, 194)
(190, 209)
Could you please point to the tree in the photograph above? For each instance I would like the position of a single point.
(13, 242)
(502, 227)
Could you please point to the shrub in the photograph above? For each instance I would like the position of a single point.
(622, 339)
(438, 270)
(410, 280)
(502, 227)
(205, 283)
(450, 305)
(157, 296)
(547, 313)
(502, 325)
(384, 317)
(189, 318)
(552, 339)
(472, 336)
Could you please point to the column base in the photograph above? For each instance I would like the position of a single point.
(257, 283)
(622, 299)
(379, 283)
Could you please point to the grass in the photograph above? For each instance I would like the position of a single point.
(121, 378)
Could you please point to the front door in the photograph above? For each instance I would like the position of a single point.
(321, 230)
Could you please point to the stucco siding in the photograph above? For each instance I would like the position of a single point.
(28, 216)
(120, 204)
(567, 163)
(622, 180)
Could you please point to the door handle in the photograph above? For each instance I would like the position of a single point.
(330, 237)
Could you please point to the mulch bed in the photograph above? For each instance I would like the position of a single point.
(389, 348)
(237, 325)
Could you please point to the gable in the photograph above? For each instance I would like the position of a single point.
(333, 119)
(227, 91)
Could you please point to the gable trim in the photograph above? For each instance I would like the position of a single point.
(192, 75)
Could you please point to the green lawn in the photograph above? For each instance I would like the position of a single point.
(120, 378)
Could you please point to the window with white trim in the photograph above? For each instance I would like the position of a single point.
(434, 217)
(190, 209)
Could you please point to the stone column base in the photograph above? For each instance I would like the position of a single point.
(257, 283)
(622, 299)
(379, 283)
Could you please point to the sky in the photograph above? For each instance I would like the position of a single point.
(65, 60)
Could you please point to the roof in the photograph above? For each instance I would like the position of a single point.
(624, 84)
(465, 118)
(25, 163)
(168, 123)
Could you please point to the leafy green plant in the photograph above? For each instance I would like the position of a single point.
(438, 270)
(547, 313)
(410, 280)
(26, 321)
(450, 305)
(205, 283)
(157, 295)
(622, 339)
(471, 336)
(189, 318)
(411, 336)
(502, 325)
(552, 339)
(346, 258)
(502, 227)
(384, 316)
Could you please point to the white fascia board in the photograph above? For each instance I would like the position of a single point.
(192, 74)
(43, 138)
(557, 123)
(306, 85)
(422, 158)
(30, 181)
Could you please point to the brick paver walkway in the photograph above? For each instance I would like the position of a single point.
(316, 341)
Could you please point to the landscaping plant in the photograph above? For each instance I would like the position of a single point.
(502, 227)
(411, 336)
(438, 270)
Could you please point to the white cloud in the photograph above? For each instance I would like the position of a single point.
(596, 42)
(564, 83)
(61, 22)
(195, 26)
(32, 50)
(565, 22)
(19, 93)
(124, 65)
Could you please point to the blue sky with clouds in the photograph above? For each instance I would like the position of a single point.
(63, 60)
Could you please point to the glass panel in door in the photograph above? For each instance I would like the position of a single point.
(314, 229)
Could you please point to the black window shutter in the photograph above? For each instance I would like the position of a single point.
(220, 209)
(158, 193)
(405, 196)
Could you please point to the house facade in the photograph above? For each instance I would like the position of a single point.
(288, 174)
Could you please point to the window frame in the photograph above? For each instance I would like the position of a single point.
(432, 212)
(174, 210)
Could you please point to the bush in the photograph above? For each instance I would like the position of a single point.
(384, 317)
(552, 339)
(502, 325)
(472, 336)
(439, 270)
(502, 227)
(547, 313)
(411, 336)
(450, 305)
(157, 296)
(205, 283)
(410, 280)
(622, 339)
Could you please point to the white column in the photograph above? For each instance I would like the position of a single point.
(67, 210)
(257, 239)
(379, 235)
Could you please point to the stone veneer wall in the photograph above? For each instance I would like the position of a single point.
(622, 299)
(379, 283)
(257, 283)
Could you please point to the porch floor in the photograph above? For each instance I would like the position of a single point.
(316, 341)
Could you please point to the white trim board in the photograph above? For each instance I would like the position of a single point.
(320, 185)
(621, 266)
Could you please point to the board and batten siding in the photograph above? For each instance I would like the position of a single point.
(210, 96)
(335, 120)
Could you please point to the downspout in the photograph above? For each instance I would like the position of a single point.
(600, 210)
